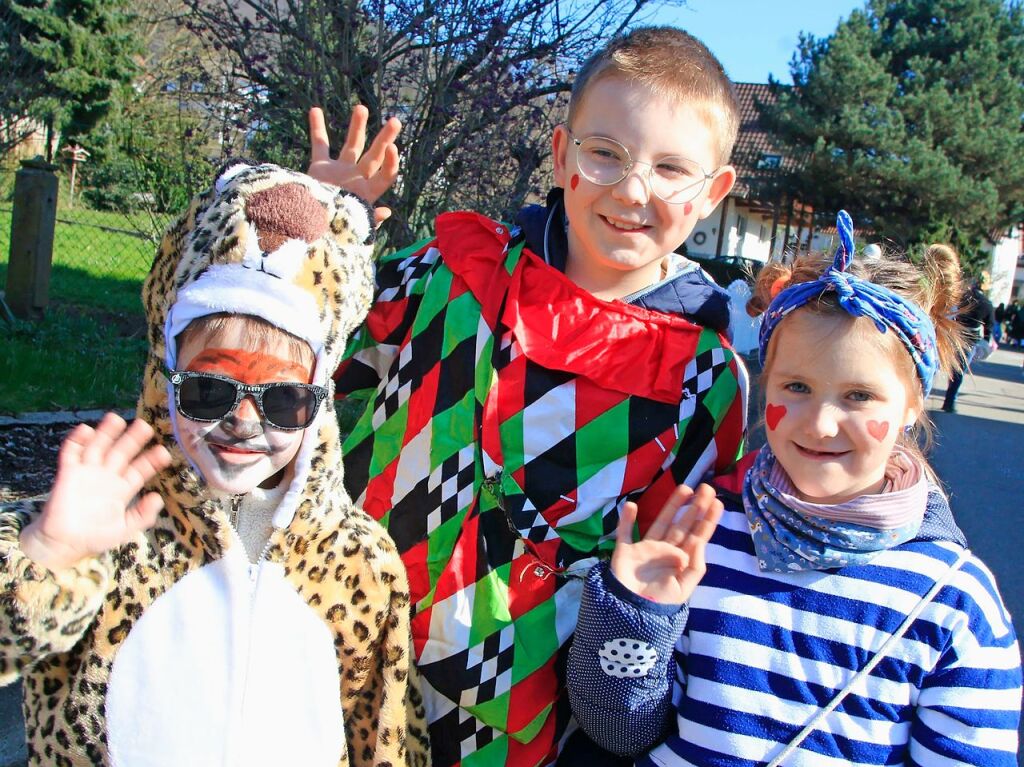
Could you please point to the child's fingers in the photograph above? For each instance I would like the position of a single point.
(380, 215)
(142, 514)
(695, 519)
(73, 445)
(382, 152)
(145, 467)
(128, 445)
(662, 523)
(702, 529)
(110, 427)
(355, 138)
(624, 530)
(319, 143)
(391, 159)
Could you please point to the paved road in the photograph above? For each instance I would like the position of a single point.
(978, 453)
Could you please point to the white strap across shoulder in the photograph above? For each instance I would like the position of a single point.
(881, 654)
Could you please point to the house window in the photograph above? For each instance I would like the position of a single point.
(769, 161)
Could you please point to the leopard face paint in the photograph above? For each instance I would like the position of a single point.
(241, 451)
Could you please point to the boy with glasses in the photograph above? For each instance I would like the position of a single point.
(523, 384)
(216, 598)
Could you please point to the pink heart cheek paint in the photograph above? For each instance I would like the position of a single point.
(878, 429)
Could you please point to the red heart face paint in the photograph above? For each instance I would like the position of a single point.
(688, 209)
(773, 414)
(574, 181)
(878, 429)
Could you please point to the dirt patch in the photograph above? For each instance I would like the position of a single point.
(123, 324)
(29, 459)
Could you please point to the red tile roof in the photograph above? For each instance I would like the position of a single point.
(755, 144)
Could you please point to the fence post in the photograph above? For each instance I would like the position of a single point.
(32, 225)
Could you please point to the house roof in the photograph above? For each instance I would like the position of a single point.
(756, 152)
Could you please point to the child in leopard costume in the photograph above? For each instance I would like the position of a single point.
(240, 610)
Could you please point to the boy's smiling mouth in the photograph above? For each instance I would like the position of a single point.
(624, 226)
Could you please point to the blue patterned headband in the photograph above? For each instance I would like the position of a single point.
(860, 298)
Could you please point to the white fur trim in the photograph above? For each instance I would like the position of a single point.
(235, 289)
(227, 175)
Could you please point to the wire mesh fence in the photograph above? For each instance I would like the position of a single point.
(100, 257)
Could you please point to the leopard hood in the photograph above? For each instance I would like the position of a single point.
(278, 245)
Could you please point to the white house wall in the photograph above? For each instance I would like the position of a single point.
(754, 242)
(1003, 267)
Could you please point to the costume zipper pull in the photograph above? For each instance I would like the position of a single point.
(492, 486)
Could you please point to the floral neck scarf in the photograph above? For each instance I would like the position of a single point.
(792, 535)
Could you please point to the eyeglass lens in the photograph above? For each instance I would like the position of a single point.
(283, 405)
(606, 162)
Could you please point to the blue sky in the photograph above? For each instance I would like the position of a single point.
(753, 38)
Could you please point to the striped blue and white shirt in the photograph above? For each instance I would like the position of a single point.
(762, 652)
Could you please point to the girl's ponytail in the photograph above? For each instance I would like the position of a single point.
(943, 299)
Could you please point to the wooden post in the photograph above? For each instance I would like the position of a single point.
(721, 227)
(33, 219)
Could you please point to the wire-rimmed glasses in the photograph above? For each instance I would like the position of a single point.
(605, 162)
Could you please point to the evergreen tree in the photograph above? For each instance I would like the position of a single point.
(910, 116)
(86, 50)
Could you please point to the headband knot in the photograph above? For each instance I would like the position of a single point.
(860, 298)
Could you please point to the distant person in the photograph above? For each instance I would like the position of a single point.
(1016, 323)
(835, 617)
(216, 598)
(977, 317)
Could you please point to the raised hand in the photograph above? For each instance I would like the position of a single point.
(368, 174)
(92, 506)
(668, 563)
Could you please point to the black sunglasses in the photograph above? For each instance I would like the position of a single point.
(210, 397)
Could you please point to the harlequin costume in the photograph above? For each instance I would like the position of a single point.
(177, 648)
(509, 414)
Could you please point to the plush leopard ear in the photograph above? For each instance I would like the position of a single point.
(352, 221)
(228, 171)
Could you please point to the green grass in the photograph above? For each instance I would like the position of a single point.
(89, 349)
(72, 359)
(95, 262)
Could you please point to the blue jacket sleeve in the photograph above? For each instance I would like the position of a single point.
(620, 667)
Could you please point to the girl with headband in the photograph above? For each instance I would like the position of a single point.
(839, 617)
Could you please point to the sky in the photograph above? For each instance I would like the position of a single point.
(753, 38)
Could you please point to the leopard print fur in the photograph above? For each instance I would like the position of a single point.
(70, 634)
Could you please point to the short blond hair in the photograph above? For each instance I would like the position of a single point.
(211, 329)
(674, 64)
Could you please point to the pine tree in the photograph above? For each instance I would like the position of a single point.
(910, 116)
(86, 50)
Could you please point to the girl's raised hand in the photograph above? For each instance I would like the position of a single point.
(92, 506)
(668, 563)
(368, 174)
